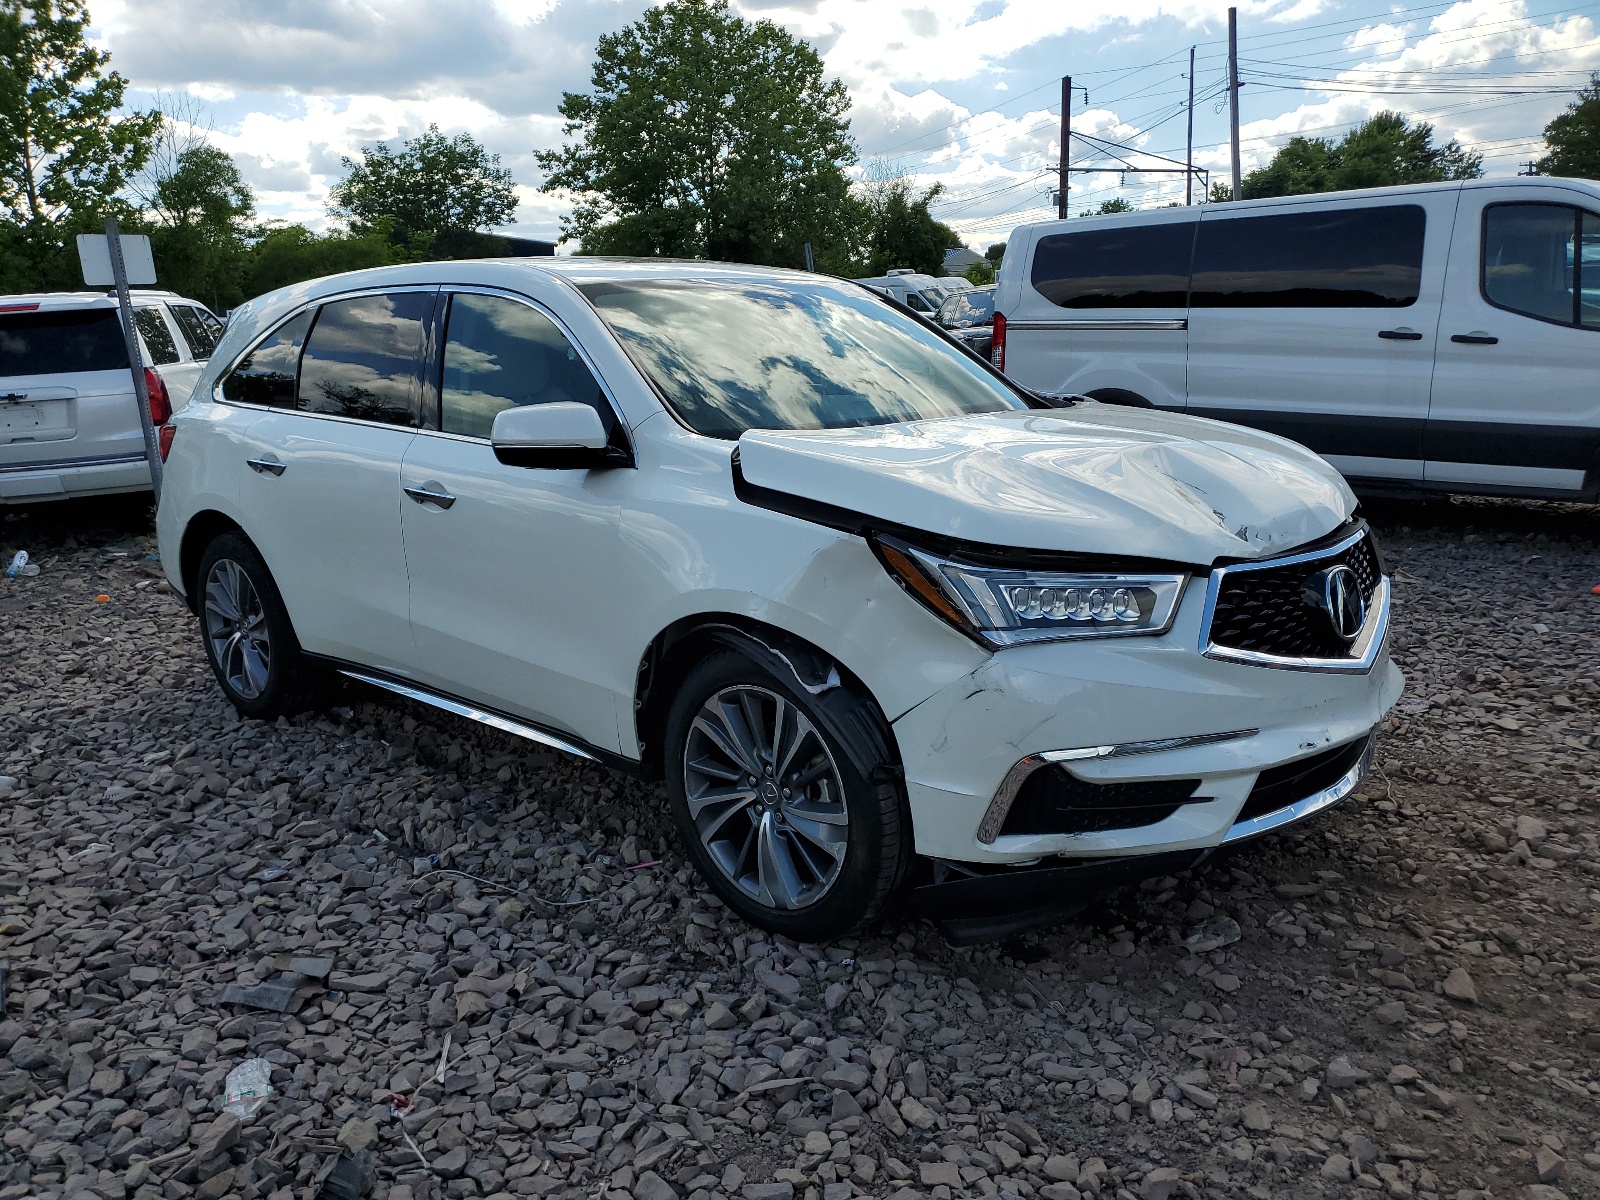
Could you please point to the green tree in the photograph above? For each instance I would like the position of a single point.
(198, 227)
(65, 156)
(290, 253)
(1107, 207)
(1574, 137)
(1383, 151)
(901, 232)
(438, 193)
(706, 135)
(995, 252)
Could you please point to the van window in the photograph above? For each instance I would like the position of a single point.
(1124, 266)
(1327, 258)
(266, 374)
(364, 357)
(1543, 261)
(72, 339)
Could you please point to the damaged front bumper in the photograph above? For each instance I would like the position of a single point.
(975, 904)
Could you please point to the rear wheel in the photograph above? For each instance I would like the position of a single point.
(781, 822)
(248, 638)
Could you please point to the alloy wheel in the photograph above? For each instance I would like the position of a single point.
(236, 625)
(766, 797)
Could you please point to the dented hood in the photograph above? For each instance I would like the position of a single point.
(1093, 479)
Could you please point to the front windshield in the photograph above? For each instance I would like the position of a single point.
(764, 354)
(973, 308)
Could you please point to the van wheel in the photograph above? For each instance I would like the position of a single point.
(775, 815)
(247, 635)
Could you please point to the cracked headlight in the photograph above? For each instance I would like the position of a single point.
(1002, 606)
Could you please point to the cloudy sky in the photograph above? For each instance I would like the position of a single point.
(961, 92)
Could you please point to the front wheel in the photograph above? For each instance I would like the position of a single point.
(778, 818)
(247, 634)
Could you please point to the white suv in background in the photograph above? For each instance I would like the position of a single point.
(866, 606)
(69, 423)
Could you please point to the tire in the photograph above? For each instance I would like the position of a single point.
(835, 849)
(247, 635)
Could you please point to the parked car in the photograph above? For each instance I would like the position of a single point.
(969, 317)
(69, 423)
(1443, 337)
(860, 601)
(920, 293)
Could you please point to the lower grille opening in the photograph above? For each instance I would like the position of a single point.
(1055, 801)
(1279, 787)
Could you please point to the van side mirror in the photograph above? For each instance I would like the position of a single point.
(566, 436)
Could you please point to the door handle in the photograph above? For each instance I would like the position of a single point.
(1400, 335)
(266, 466)
(431, 493)
(1476, 338)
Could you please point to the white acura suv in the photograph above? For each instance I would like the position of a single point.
(860, 601)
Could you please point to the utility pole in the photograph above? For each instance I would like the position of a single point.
(1066, 134)
(1188, 158)
(1233, 97)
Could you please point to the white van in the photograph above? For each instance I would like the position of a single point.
(920, 293)
(1443, 337)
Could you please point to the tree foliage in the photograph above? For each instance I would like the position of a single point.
(706, 135)
(63, 151)
(435, 193)
(1107, 207)
(1383, 151)
(199, 226)
(899, 229)
(1574, 137)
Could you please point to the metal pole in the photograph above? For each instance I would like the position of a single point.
(1233, 97)
(152, 451)
(1066, 138)
(1188, 158)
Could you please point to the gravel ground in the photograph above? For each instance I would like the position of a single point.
(1400, 999)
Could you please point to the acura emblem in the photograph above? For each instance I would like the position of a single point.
(1337, 593)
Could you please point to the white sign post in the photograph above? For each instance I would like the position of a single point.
(112, 259)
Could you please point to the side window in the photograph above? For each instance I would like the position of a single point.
(499, 354)
(364, 357)
(200, 329)
(1327, 258)
(157, 336)
(1125, 266)
(1543, 260)
(266, 374)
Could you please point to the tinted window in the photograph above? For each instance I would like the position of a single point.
(499, 354)
(1331, 258)
(364, 356)
(157, 336)
(1124, 266)
(731, 356)
(917, 302)
(43, 343)
(1543, 260)
(968, 308)
(200, 329)
(266, 374)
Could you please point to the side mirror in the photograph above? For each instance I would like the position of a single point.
(560, 437)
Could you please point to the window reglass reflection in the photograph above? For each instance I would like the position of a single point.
(363, 357)
(730, 356)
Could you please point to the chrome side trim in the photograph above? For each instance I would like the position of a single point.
(1104, 323)
(58, 464)
(1006, 794)
(494, 720)
(1310, 806)
(1364, 650)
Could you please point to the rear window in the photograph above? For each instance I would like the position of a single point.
(49, 343)
(1327, 258)
(1123, 266)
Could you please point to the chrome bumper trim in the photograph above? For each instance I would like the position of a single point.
(494, 720)
(1006, 794)
(1310, 806)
